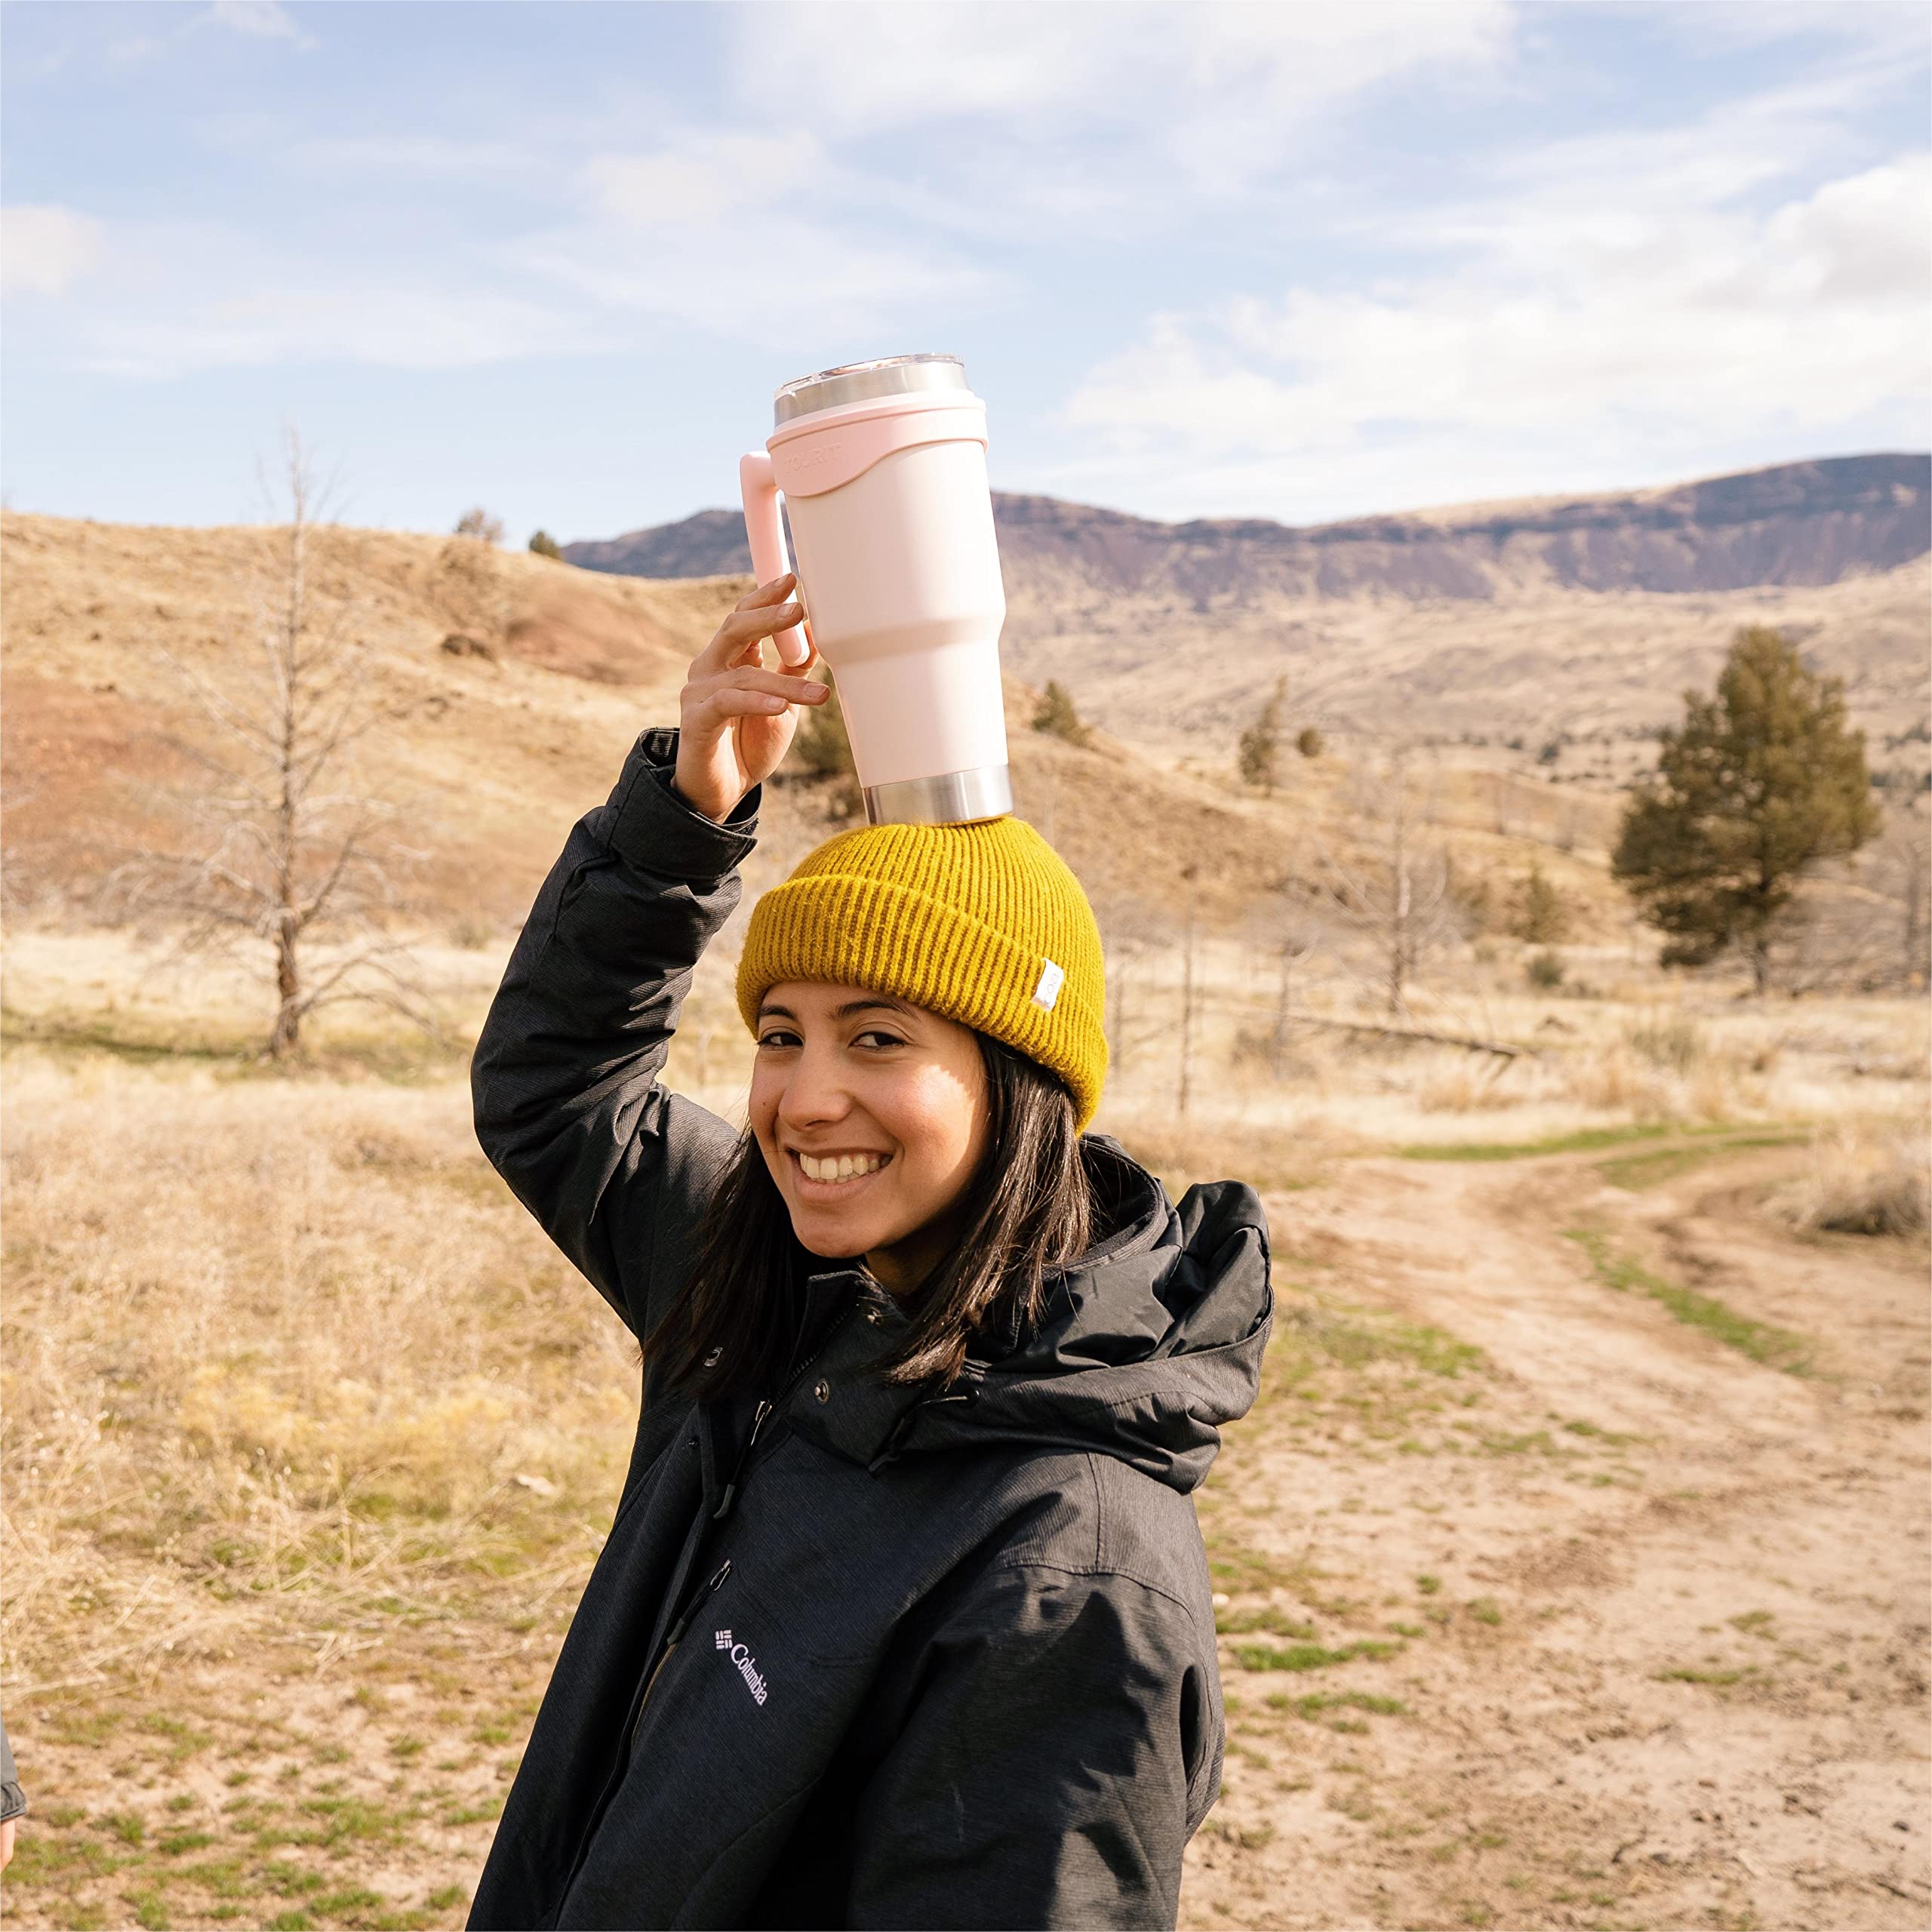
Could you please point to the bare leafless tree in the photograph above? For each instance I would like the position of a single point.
(1133, 933)
(1190, 878)
(1291, 930)
(1396, 898)
(1862, 922)
(283, 851)
(1900, 866)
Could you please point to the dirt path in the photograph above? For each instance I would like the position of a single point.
(1655, 1612)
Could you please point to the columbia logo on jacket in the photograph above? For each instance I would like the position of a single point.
(747, 1664)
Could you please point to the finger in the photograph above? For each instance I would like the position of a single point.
(776, 591)
(762, 621)
(741, 634)
(751, 677)
(730, 702)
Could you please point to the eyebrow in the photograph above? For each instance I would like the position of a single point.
(852, 1006)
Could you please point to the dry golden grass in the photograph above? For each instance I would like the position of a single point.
(1865, 1177)
(285, 1342)
(311, 1440)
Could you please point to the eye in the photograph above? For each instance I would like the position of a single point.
(778, 1036)
(886, 1039)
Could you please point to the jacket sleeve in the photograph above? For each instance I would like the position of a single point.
(564, 1076)
(13, 1800)
(1061, 1749)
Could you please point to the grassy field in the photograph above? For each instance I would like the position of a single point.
(1586, 1452)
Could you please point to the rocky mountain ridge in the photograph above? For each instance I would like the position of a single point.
(1803, 523)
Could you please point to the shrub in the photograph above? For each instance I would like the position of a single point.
(1307, 742)
(1545, 970)
(1058, 719)
(1469, 893)
(1539, 913)
(479, 524)
(544, 545)
(1861, 1179)
(1674, 1044)
(821, 744)
(1261, 743)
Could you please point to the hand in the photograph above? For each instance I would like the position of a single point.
(736, 717)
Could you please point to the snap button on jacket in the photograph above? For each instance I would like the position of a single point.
(905, 1659)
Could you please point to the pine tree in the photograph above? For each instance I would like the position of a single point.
(1058, 719)
(1762, 780)
(1261, 743)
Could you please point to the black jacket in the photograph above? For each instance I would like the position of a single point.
(911, 1662)
(12, 1799)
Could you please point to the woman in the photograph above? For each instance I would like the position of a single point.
(904, 1619)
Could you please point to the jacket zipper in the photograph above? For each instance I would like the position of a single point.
(742, 1467)
(724, 1508)
(671, 1642)
(738, 1469)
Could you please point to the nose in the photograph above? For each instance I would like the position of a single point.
(815, 1094)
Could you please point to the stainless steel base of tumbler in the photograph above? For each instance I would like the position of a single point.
(954, 797)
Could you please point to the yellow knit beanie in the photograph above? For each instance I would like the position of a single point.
(982, 923)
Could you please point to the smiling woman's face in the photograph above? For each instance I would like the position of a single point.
(872, 1115)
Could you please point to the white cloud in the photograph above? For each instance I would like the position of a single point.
(258, 19)
(1646, 332)
(762, 279)
(762, 237)
(1887, 30)
(1864, 239)
(1220, 93)
(871, 64)
(706, 177)
(44, 247)
(395, 325)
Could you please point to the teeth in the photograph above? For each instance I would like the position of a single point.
(843, 1166)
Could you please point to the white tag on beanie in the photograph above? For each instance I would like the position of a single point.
(1051, 979)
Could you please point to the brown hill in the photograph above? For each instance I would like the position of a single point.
(524, 681)
(1578, 620)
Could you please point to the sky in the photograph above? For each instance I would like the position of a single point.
(1301, 262)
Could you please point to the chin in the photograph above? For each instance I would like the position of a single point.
(825, 1247)
(835, 1237)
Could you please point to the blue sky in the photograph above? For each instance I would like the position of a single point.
(1294, 261)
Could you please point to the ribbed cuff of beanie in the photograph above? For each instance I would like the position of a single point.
(648, 822)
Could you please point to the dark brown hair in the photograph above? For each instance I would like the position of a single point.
(1027, 1208)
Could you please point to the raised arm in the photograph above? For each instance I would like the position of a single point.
(564, 1079)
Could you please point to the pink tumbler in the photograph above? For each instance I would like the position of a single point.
(882, 466)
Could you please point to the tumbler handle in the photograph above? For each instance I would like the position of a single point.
(766, 534)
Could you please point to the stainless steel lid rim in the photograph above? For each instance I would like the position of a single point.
(865, 382)
(952, 798)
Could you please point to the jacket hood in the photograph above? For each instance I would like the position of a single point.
(1148, 1344)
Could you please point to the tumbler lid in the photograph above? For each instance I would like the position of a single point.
(865, 382)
